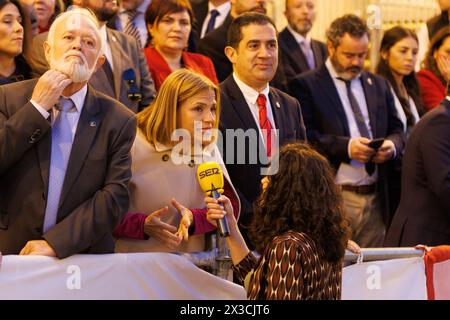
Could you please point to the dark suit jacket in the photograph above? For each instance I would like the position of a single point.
(95, 191)
(292, 57)
(126, 55)
(423, 216)
(213, 45)
(236, 114)
(200, 9)
(326, 122)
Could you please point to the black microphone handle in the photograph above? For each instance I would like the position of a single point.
(222, 224)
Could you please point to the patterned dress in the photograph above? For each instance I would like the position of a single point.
(292, 267)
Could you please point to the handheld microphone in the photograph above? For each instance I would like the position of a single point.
(210, 178)
(133, 92)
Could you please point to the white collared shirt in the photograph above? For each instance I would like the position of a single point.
(353, 173)
(251, 96)
(223, 9)
(401, 113)
(78, 99)
(139, 21)
(107, 47)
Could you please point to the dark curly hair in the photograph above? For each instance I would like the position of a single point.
(349, 23)
(429, 63)
(303, 197)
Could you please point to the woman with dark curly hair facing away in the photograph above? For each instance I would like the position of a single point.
(298, 227)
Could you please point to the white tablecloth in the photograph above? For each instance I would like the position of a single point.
(112, 276)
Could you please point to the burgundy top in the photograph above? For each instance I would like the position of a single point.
(132, 224)
(432, 89)
(160, 70)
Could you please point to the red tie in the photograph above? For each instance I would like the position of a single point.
(264, 123)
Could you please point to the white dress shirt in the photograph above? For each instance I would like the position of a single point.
(78, 99)
(251, 96)
(223, 9)
(139, 21)
(401, 114)
(353, 173)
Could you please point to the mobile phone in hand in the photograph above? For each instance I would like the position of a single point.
(375, 144)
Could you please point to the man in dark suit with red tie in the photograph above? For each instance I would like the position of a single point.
(250, 107)
(345, 108)
(298, 52)
(64, 151)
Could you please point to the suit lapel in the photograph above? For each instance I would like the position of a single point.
(240, 106)
(43, 152)
(202, 13)
(278, 113)
(296, 52)
(116, 53)
(315, 46)
(325, 81)
(371, 100)
(88, 125)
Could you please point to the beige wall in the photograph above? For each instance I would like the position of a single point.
(409, 13)
(380, 14)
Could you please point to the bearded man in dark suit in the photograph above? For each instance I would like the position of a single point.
(65, 151)
(345, 108)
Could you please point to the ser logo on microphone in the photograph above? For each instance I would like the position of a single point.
(210, 178)
(208, 173)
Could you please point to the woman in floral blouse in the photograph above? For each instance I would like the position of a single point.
(299, 228)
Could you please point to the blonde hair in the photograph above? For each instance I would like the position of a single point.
(159, 120)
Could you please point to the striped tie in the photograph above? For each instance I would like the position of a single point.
(131, 28)
(360, 121)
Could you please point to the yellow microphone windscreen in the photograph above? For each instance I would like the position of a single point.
(210, 177)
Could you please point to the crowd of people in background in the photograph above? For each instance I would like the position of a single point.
(92, 92)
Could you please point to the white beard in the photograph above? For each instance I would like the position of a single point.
(74, 69)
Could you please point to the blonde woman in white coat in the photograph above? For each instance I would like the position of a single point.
(175, 134)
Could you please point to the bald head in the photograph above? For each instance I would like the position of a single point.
(301, 15)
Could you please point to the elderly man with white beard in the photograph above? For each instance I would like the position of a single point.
(64, 151)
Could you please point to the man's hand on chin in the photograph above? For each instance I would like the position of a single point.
(38, 248)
